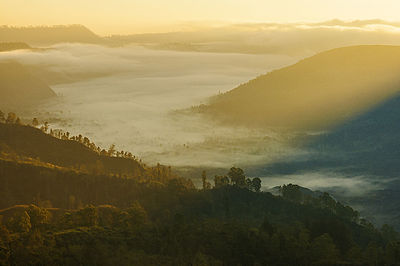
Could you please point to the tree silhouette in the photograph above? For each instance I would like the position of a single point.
(237, 177)
(11, 117)
(35, 122)
(2, 118)
(256, 184)
(220, 181)
(111, 150)
(204, 179)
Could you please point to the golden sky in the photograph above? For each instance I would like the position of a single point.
(132, 16)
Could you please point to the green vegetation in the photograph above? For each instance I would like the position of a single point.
(178, 226)
(65, 201)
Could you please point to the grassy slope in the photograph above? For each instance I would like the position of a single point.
(317, 92)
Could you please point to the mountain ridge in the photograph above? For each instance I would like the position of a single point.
(315, 93)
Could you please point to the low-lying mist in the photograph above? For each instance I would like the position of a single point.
(132, 104)
(127, 96)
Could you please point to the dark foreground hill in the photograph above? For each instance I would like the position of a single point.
(316, 93)
(28, 141)
(18, 87)
(54, 214)
(171, 224)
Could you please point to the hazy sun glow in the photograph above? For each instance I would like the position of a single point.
(126, 16)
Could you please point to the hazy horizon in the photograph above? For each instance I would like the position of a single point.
(127, 17)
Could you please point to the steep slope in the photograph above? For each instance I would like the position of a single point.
(365, 148)
(33, 143)
(315, 93)
(369, 142)
(18, 87)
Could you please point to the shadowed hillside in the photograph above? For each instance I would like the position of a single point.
(315, 93)
(368, 146)
(369, 142)
(18, 87)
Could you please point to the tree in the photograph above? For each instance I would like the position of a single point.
(4, 245)
(248, 184)
(220, 181)
(20, 222)
(11, 118)
(38, 216)
(256, 184)
(87, 216)
(2, 118)
(45, 127)
(267, 227)
(323, 251)
(35, 122)
(292, 192)
(237, 177)
(204, 179)
(111, 150)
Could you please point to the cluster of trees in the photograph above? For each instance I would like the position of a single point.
(323, 200)
(135, 235)
(11, 118)
(235, 177)
(96, 165)
(62, 216)
(60, 134)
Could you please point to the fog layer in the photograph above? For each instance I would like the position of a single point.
(131, 104)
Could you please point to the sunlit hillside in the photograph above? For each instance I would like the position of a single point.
(316, 93)
(200, 133)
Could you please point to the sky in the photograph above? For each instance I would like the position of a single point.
(137, 16)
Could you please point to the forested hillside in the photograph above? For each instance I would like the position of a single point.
(55, 210)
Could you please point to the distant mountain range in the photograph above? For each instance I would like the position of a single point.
(315, 93)
(11, 46)
(47, 35)
(293, 39)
